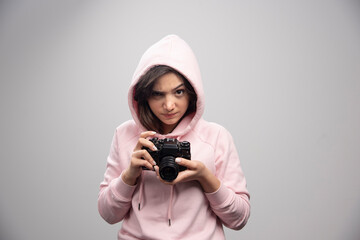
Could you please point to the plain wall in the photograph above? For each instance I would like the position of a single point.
(282, 76)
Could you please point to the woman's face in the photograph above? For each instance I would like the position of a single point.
(169, 100)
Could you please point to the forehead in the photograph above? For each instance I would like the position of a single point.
(167, 82)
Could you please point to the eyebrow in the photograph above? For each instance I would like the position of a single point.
(182, 84)
(174, 89)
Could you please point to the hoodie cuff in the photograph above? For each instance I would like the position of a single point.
(218, 197)
(121, 190)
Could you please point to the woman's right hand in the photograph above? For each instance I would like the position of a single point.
(139, 158)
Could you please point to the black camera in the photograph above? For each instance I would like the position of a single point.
(168, 150)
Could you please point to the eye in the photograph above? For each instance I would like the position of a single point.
(180, 92)
(156, 94)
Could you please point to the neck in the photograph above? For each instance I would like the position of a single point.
(168, 129)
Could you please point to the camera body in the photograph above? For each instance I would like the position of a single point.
(168, 150)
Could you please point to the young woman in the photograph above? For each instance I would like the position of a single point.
(166, 101)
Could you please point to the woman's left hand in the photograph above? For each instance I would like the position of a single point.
(196, 170)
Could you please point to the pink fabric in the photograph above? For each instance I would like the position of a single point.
(147, 208)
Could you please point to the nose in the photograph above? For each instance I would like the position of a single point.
(169, 104)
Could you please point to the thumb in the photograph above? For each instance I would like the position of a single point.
(183, 162)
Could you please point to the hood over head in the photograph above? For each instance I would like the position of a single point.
(176, 53)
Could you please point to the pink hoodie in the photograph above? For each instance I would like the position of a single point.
(153, 210)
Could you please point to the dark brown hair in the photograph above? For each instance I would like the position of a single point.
(143, 91)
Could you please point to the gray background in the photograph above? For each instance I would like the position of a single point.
(282, 76)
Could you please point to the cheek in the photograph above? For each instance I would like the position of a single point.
(155, 106)
(185, 104)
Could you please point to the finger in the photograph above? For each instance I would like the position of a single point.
(180, 177)
(157, 173)
(137, 164)
(185, 162)
(145, 164)
(157, 170)
(144, 155)
(185, 176)
(147, 134)
(143, 142)
(146, 143)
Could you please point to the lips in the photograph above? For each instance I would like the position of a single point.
(169, 116)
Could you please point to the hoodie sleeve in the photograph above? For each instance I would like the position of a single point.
(231, 201)
(115, 195)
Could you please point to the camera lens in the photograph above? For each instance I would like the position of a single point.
(168, 169)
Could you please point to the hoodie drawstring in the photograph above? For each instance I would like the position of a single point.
(170, 206)
(170, 203)
(141, 189)
(171, 197)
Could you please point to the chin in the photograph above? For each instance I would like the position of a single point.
(172, 122)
